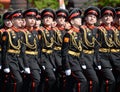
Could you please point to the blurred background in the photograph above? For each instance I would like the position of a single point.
(6, 5)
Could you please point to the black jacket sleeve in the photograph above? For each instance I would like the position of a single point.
(5, 45)
(64, 52)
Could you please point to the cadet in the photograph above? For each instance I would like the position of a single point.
(116, 54)
(46, 36)
(89, 32)
(6, 21)
(38, 22)
(6, 24)
(59, 33)
(71, 52)
(32, 49)
(11, 48)
(106, 38)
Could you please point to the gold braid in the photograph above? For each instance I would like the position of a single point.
(59, 38)
(75, 44)
(11, 43)
(48, 44)
(88, 43)
(31, 46)
(109, 41)
(116, 35)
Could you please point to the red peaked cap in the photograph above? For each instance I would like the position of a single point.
(92, 10)
(16, 14)
(108, 11)
(62, 13)
(117, 11)
(75, 13)
(30, 12)
(48, 12)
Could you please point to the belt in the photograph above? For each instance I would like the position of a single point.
(31, 52)
(57, 48)
(47, 51)
(73, 53)
(115, 50)
(104, 50)
(13, 51)
(108, 50)
(88, 51)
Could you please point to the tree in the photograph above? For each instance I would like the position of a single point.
(113, 3)
(40, 4)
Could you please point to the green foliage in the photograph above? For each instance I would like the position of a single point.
(1, 6)
(30, 1)
(112, 3)
(1, 22)
(40, 4)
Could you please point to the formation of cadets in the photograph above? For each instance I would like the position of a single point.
(60, 51)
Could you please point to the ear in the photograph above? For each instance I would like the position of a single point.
(12, 20)
(85, 18)
(72, 21)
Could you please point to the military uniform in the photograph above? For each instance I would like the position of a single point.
(46, 35)
(31, 56)
(12, 49)
(115, 55)
(59, 33)
(3, 29)
(71, 57)
(89, 33)
(106, 50)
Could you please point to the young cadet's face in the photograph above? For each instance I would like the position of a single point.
(37, 23)
(23, 23)
(17, 22)
(77, 21)
(60, 20)
(107, 19)
(30, 21)
(8, 23)
(54, 23)
(47, 20)
(117, 20)
(91, 19)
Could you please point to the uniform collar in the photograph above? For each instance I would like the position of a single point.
(60, 27)
(15, 29)
(36, 28)
(90, 26)
(48, 27)
(75, 29)
(118, 27)
(107, 27)
(30, 28)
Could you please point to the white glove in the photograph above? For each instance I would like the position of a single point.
(6, 70)
(22, 71)
(68, 72)
(99, 67)
(0, 67)
(54, 69)
(84, 66)
(43, 67)
(27, 70)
